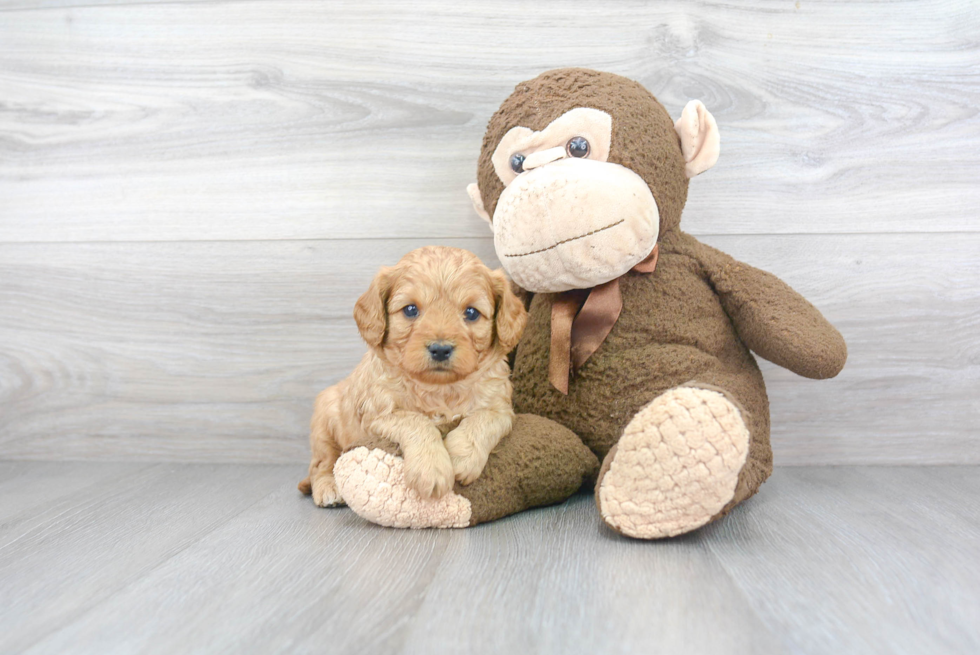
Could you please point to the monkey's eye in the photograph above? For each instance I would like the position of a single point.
(472, 314)
(517, 163)
(410, 311)
(577, 146)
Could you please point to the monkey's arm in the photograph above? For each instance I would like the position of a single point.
(774, 321)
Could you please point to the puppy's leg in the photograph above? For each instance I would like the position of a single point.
(428, 468)
(469, 445)
(321, 481)
(325, 452)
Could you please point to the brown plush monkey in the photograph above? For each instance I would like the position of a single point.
(639, 336)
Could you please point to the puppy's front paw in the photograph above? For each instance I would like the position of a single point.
(468, 461)
(325, 493)
(430, 472)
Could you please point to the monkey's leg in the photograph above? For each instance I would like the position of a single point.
(684, 460)
(538, 463)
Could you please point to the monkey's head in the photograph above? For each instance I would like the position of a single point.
(580, 172)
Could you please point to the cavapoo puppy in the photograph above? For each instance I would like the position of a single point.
(435, 380)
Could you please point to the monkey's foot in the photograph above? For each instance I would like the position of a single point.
(373, 484)
(676, 466)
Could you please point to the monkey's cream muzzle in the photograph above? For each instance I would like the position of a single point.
(574, 224)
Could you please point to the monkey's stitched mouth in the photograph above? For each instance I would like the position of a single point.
(563, 241)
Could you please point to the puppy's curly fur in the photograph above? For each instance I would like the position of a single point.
(446, 413)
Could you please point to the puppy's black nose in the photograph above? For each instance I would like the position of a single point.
(440, 351)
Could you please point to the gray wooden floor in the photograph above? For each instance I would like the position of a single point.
(126, 558)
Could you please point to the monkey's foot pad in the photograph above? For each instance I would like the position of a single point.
(676, 465)
(373, 484)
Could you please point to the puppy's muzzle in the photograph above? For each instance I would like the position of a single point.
(440, 351)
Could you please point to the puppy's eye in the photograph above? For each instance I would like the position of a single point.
(577, 147)
(517, 163)
(410, 311)
(472, 313)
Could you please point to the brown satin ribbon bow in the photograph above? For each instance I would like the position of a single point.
(581, 319)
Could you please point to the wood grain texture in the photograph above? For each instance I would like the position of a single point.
(203, 351)
(193, 193)
(822, 560)
(214, 351)
(544, 582)
(304, 581)
(285, 119)
(74, 554)
(28, 488)
(861, 560)
(558, 582)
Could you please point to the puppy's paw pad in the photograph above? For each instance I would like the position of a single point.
(375, 486)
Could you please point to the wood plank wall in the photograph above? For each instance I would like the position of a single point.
(192, 195)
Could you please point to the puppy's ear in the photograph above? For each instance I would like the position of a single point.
(510, 317)
(371, 309)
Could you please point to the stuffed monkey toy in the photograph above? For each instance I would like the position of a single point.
(640, 338)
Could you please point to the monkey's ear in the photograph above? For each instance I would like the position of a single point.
(477, 198)
(371, 310)
(700, 142)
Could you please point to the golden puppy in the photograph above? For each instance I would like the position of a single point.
(435, 380)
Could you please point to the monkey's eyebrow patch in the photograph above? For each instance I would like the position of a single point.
(563, 241)
(592, 124)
